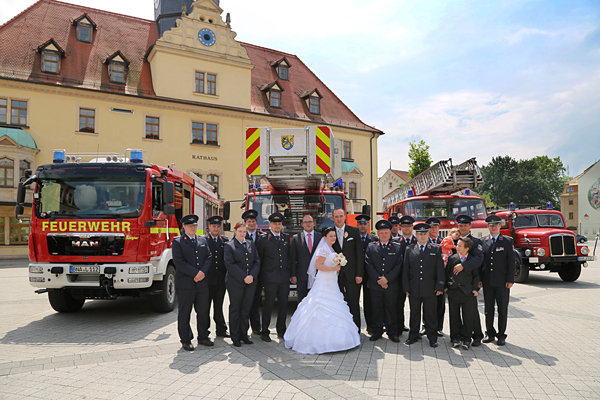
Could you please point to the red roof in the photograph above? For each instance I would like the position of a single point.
(401, 174)
(84, 64)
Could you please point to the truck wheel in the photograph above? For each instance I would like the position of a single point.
(62, 301)
(521, 271)
(570, 272)
(166, 300)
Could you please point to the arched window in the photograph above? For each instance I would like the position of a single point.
(214, 181)
(23, 165)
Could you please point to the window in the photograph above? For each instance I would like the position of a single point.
(315, 107)
(87, 119)
(152, 125)
(570, 202)
(18, 112)
(84, 33)
(347, 149)
(199, 82)
(352, 190)
(50, 62)
(275, 98)
(19, 231)
(7, 172)
(3, 110)
(282, 72)
(214, 181)
(211, 134)
(23, 165)
(2, 239)
(211, 84)
(391, 185)
(116, 72)
(197, 132)
(570, 215)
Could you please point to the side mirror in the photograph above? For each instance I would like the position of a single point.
(19, 210)
(168, 193)
(226, 226)
(366, 209)
(27, 174)
(226, 211)
(321, 208)
(512, 215)
(169, 209)
(21, 193)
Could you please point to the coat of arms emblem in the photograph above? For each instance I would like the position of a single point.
(287, 141)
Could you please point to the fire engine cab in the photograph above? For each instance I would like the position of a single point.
(103, 228)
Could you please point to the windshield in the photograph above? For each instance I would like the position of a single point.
(525, 221)
(294, 207)
(445, 208)
(91, 191)
(553, 220)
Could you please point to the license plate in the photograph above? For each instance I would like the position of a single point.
(587, 258)
(293, 293)
(85, 269)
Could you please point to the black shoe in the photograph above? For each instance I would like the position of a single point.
(247, 340)
(410, 341)
(395, 338)
(476, 343)
(501, 342)
(440, 333)
(280, 335)
(206, 342)
(455, 344)
(433, 344)
(405, 328)
(375, 337)
(465, 345)
(223, 335)
(256, 332)
(265, 337)
(187, 346)
(422, 332)
(369, 330)
(237, 344)
(488, 339)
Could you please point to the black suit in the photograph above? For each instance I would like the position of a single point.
(441, 300)
(353, 251)
(497, 270)
(474, 262)
(367, 305)
(254, 310)
(300, 260)
(240, 260)
(460, 296)
(401, 295)
(384, 261)
(422, 276)
(216, 281)
(191, 255)
(275, 263)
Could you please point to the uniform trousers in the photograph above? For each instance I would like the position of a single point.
(429, 305)
(302, 289)
(216, 294)
(368, 305)
(240, 302)
(351, 291)
(254, 311)
(199, 300)
(460, 305)
(384, 304)
(279, 291)
(499, 296)
(400, 310)
(441, 310)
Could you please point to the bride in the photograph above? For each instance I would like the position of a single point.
(322, 322)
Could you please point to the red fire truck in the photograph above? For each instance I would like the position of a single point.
(543, 244)
(433, 194)
(103, 228)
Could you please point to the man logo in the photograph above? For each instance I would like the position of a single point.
(287, 141)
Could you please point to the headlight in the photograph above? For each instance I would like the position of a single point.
(36, 269)
(541, 252)
(139, 269)
(585, 251)
(528, 252)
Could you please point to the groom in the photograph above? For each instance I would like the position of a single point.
(348, 243)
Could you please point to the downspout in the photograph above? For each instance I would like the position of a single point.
(371, 155)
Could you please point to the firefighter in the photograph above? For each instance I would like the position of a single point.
(497, 277)
(362, 223)
(395, 221)
(407, 238)
(249, 217)
(434, 238)
(192, 259)
(216, 273)
(434, 231)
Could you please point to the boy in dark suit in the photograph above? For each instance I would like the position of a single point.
(303, 248)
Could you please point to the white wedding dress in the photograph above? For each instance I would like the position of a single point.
(322, 322)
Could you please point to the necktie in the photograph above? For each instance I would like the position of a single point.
(309, 242)
(422, 250)
(340, 233)
(364, 238)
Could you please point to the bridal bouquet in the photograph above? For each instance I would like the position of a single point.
(339, 259)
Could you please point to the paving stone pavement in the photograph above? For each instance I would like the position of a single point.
(122, 350)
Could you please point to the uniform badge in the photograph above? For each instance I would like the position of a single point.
(480, 247)
(287, 141)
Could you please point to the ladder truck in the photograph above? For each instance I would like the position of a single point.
(442, 191)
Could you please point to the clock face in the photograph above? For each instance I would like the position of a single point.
(156, 4)
(207, 37)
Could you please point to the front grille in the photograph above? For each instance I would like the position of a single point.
(563, 245)
(532, 242)
(87, 244)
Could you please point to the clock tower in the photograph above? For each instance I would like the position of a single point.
(166, 12)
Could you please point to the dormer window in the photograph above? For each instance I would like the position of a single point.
(282, 67)
(282, 71)
(51, 54)
(313, 101)
(117, 68)
(273, 92)
(85, 29)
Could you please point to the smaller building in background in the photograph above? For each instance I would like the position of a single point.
(580, 202)
(389, 181)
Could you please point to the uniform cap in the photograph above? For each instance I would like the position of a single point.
(433, 221)
(383, 224)
(493, 219)
(394, 220)
(189, 219)
(407, 220)
(362, 219)
(276, 217)
(215, 220)
(422, 227)
(463, 219)
(250, 214)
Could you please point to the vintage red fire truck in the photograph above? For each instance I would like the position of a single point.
(433, 194)
(103, 228)
(543, 244)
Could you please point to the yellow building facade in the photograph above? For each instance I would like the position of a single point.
(185, 97)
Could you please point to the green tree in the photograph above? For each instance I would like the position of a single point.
(421, 159)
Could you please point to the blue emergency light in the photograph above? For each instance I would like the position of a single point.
(136, 156)
(512, 206)
(549, 206)
(467, 192)
(59, 156)
(411, 193)
(339, 183)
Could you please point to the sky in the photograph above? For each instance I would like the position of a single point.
(470, 78)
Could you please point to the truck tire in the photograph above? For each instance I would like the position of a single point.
(166, 300)
(521, 271)
(570, 272)
(62, 301)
